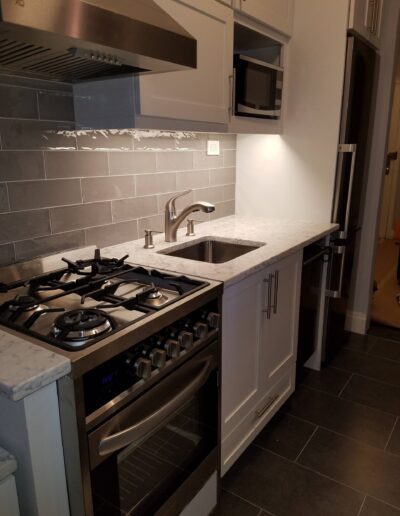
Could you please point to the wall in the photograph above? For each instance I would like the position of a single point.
(292, 175)
(61, 190)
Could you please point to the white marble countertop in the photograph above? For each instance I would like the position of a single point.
(8, 464)
(26, 367)
(281, 238)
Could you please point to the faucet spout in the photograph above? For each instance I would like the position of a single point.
(173, 221)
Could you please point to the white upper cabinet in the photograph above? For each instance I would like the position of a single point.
(365, 19)
(277, 14)
(202, 94)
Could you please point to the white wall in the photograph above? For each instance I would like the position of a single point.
(292, 176)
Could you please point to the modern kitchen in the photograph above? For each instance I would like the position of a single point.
(190, 201)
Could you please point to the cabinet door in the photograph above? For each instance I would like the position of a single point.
(201, 94)
(278, 14)
(241, 321)
(365, 19)
(278, 348)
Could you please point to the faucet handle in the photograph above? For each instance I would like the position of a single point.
(170, 205)
(148, 238)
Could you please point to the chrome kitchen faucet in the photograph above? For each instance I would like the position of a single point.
(173, 221)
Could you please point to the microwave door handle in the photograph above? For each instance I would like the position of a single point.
(163, 412)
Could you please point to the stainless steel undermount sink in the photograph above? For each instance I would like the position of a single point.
(212, 251)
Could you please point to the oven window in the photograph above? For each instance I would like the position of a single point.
(140, 478)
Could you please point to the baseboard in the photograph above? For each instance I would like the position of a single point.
(356, 322)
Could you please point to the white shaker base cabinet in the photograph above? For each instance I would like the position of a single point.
(202, 94)
(259, 349)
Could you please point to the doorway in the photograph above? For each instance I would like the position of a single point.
(385, 305)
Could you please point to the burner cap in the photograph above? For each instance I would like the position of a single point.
(24, 303)
(81, 325)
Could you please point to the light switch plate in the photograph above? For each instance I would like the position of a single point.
(212, 147)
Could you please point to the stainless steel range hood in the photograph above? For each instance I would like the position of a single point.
(78, 40)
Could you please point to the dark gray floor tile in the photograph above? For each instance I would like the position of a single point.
(386, 349)
(374, 394)
(362, 467)
(285, 435)
(367, 365)
(328, 379)
(357, 421)
(285, 488)
(374, 507)
(231, 505)
(385, 332)
(358, 342)
(394, 443)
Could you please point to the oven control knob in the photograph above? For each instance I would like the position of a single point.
(214, 320)
(200, 330)
(185, 339)
(158, 357)
(173, 348)
(143, 368)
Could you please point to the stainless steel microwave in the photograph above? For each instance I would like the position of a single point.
(258, 88)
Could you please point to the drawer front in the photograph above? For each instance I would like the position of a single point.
(245, 432)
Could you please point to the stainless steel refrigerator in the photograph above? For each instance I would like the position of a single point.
(350, 183)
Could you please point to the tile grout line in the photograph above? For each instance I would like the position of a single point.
(390, 435)
(345, 385)
(306, 444)
(246, 500)
(362, 505)
(341, 435)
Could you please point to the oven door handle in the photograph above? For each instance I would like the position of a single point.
(151, 422)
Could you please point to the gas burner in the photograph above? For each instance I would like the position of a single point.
(77, 327)
(152, 297)
(24, 304)
(96, 265)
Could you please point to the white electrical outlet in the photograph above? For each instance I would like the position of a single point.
(212, 147)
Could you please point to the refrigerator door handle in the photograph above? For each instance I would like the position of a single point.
(350, 148)
(339, 250)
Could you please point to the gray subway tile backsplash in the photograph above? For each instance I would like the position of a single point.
(61, 189)
(24, 224)
(132, 162)
(18, 102)
(7, 254)
(4, 204)
(27, 249)
(68, 218)
(75, 164)
(56, 105)
(20, 165)
(27, 195)
(107, 188)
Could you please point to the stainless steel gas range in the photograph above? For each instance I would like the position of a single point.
(140, 410)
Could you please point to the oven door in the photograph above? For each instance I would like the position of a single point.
(142, 456)
(258, 88)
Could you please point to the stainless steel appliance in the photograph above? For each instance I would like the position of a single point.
(140, 410)
(75, 40)
(314, 257)
(355, 128)
(257, 88)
